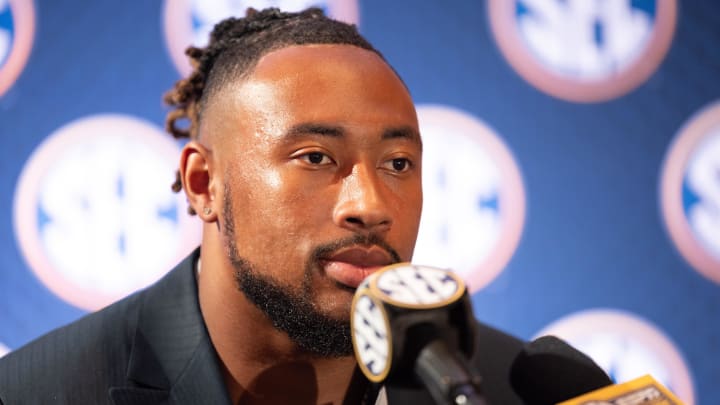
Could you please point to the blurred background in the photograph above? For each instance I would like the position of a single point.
(572, 167)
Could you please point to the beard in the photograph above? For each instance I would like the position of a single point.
(292, 310)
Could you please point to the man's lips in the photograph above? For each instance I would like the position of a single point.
(351, 266)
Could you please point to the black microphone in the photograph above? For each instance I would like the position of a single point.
(413, 326)
(548, 371)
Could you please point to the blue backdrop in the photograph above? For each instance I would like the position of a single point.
(584, 137)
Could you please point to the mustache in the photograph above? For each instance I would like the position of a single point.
(327, 249)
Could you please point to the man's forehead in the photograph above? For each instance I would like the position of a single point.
(325, 84)
(301, 57)
(302, 72)
(312, 62)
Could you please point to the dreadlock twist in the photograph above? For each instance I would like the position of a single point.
(235, 46)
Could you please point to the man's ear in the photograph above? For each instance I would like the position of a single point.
(198, 180)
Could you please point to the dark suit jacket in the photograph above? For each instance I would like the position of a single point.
(152, 348)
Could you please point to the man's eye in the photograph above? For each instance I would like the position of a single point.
(316, 158)
(400, 164)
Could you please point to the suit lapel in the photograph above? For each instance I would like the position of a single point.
(137, 396)
(172, 359)
(201, 382)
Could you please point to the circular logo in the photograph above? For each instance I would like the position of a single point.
(690, 191)
(189, 22)
(17, 28)
(626, 347)
(581, 50)
(370, 336)
(95, 218)
(417, 287)
(474, 200)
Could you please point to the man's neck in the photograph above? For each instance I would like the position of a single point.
(297, 382)
(261, 364)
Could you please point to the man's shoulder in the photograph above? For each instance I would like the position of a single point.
(495, 352)
(495, 348)
(72, 361)
(79, 362)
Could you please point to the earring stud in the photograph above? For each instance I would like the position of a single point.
(207, 210)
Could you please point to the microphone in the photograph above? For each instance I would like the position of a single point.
(413, 325)
(549, 371)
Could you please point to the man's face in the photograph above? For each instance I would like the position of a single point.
(321, 156)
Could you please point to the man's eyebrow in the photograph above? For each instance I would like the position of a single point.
(315, 129)
(311, 128)
(408, 133)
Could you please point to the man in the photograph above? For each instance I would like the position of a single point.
(304, 165)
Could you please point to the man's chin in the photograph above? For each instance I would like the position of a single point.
(336, 308)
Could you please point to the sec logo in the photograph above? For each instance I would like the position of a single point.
(690, 191)
(370, 336)
(189, 22)
(583, 50)
(17, 28)
(474, 200)
(95, 218)
(626, 347)
(417, 287)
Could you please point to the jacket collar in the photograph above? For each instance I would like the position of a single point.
(172, 360)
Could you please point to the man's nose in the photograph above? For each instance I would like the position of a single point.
(362, 204)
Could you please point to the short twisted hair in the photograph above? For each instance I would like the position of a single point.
(236, 45)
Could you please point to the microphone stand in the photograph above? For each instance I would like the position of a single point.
(447, 376)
